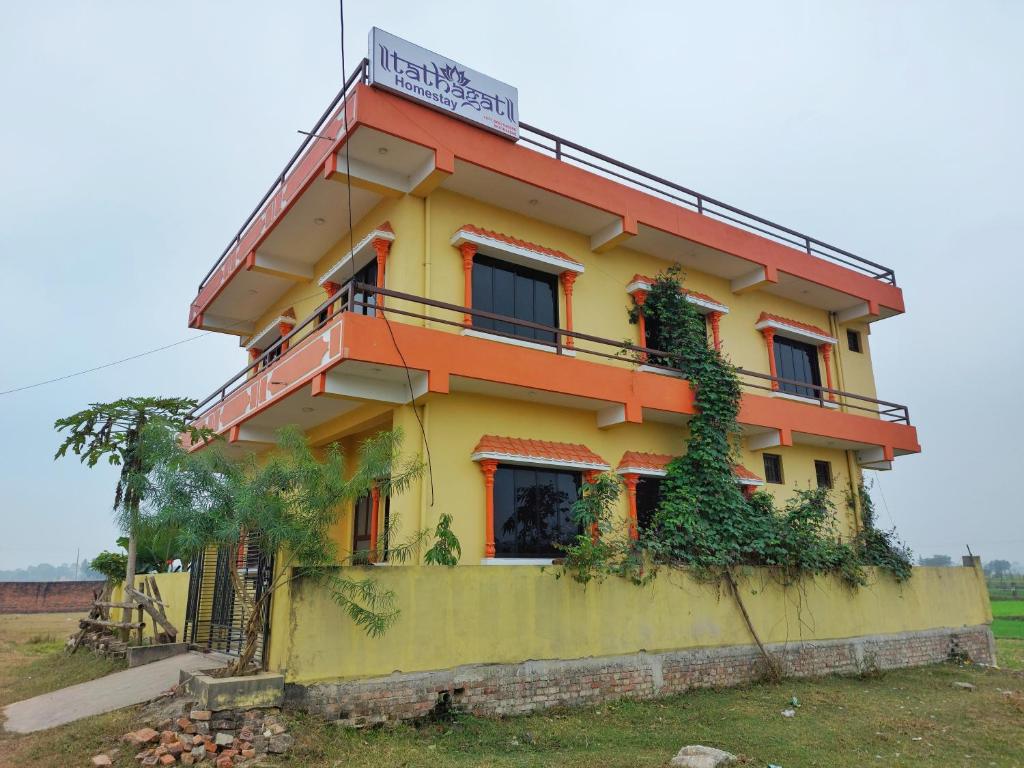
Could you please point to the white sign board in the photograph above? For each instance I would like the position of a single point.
(421, 75)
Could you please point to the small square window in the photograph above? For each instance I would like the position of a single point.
(853, 341)
(823, 473)
(773, 468)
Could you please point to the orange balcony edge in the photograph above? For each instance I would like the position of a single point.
(442, 355)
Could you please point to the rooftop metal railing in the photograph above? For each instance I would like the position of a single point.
(570, 152)
(347, 300)
(563, 150)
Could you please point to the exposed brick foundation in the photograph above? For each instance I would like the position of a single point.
(46, 596)
(504, 689)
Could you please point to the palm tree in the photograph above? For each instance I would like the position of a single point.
(283, 505)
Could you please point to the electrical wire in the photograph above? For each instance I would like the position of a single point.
(105, 365)
(352, 258)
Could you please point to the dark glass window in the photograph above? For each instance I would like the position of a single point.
(517, 292)
(361, 524)
(321, 317)
(773, 468)
(368, 275)
(853, 341)
(362, 527)
(798, 361)
(533, 511)
(648, 496)
(272, 354)
(823, 473)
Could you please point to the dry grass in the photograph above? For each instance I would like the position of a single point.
(22, 627)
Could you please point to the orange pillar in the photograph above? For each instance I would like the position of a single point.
(468, 251)
(826, 356)
(639, 297)
(631, 479)
(568, 281)
(715, 318)
(331, 289)
(374, 522)
(488, 467)
(589, 476)
(383, 248)
(769, 340)
(285, 329)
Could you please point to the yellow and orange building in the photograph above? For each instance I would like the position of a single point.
(411, 269)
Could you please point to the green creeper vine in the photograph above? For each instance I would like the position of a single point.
(704, 522)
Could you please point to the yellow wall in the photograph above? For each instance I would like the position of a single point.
(456, 422)
(174, 591)
(506, 614)
(422, 261)
(600, 304)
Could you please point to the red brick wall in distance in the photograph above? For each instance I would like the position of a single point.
(46, 596)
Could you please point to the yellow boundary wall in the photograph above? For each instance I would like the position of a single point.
(509, 614)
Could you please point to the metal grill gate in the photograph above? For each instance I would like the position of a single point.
(215, 618)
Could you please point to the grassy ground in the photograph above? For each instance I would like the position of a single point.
(32, 661)
(905, 718)
(1008, 608)
(1010, 653)
(1008, 619)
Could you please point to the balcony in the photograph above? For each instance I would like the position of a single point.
(386, 146)
(384, 348)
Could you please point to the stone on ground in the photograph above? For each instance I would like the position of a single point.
(697, 756)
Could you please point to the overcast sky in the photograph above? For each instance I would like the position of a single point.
(135, 137)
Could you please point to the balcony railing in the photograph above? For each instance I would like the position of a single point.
(570, 152)
(347, 300)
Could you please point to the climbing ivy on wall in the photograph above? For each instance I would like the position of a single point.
(703, 521)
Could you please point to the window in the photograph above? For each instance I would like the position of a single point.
(368, 275)
(362, 527)
(322, 316)
(773, 468)
(533, 510)
(273, 353)
(823, 473)
(361, 524)
(797, 361)
(648, 497)
(514, 291)
(853, 341)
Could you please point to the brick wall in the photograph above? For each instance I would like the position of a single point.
(46, 596)
(505, 689)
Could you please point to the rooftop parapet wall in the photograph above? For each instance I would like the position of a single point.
(509, 614)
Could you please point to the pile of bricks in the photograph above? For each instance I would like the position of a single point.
(222, 739)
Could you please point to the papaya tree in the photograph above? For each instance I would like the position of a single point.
(113, 432)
